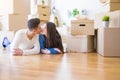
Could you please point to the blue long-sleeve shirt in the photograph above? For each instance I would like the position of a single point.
(52, 50)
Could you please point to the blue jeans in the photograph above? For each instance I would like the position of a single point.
(42, 46)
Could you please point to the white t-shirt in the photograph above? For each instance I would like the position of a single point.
(22, 41)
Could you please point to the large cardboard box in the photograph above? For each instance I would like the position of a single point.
(108, 42)
(82, 27)
(105, 1)
(114, 0)
(114, 6)
(19, 6)
(14, 21)
(81, 43)
(111, 6)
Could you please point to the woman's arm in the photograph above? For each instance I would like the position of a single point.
(41, 42)
(51, 51)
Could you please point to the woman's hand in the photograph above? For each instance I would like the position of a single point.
(57, 50)
(45, 51)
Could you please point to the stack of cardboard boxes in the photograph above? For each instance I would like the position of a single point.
(111, 5)
(40, 9)
(43, 13)
(17, 16)
(108, 39)
(81, 38)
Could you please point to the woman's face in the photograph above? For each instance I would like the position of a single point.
(37, 30)
(44, 29)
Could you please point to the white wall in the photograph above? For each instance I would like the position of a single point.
(92, 6)
(62, 6)
(2, 6)
(5, 6)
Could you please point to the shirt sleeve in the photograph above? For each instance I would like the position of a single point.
(34, 50)
(15, 42)
(41, 41)
(53, 51)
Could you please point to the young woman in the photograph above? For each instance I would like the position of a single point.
(50, 40)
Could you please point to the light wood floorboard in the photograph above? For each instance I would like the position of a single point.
(69, 66)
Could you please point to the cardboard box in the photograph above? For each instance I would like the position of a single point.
(43, 9)
(111, 6)
(108, 42)
(114, 0)
(19, 6)
(81, 43)
(14, 28)
(105, 1)
(44, 17)
(82, 27)
(14, 21)
(114, 6)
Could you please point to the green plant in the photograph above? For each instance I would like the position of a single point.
(64, 23)
(43, 1)
(105, 18)
(75, 12)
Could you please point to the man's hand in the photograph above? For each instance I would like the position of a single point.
(17, 52)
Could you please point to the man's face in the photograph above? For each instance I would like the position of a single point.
(38, 30)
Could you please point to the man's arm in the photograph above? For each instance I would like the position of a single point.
(34, 50)
(15, 43)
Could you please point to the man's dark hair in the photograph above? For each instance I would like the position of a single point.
(33, 23)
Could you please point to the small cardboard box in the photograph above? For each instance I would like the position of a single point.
(44, 17)
(108, 42)
(43, 9)
(81, 43)
(82, 27)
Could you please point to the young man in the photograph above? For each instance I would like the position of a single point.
(26, 41)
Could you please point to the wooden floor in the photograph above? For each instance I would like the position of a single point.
(69, 66)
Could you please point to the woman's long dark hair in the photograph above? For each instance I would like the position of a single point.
(53, 37)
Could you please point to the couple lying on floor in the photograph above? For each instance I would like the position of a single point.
(35, 39)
